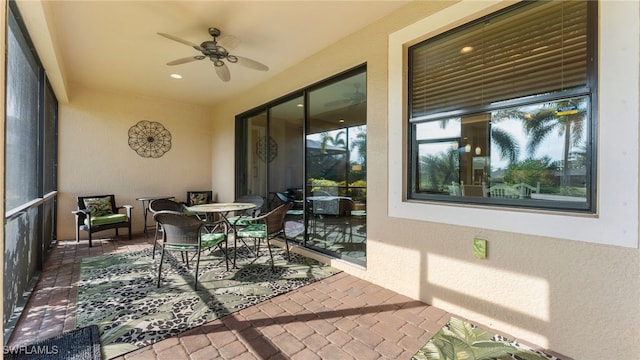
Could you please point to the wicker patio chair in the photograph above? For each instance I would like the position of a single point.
(161, 205)
(185, 233)
(265, 226)
(100, 212)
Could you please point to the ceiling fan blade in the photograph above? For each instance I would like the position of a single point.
(252, 64)
(229, 41)
(337, 102)
(185, 60)
(183, 41)
(223, 72)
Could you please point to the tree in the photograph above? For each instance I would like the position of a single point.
(359, 143)
(530, 171)
(438, 170)
(338, 140)
(547, 120)
(505, 142)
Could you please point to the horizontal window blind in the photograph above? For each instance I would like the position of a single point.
(539, 48)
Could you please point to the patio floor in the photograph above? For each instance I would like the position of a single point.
(340, 317)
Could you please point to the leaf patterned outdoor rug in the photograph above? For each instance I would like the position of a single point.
(118, 292)
(460, 340)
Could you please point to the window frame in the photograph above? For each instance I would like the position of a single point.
(615, 220)
(589, 91)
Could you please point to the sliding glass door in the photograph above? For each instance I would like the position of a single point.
(251, 155)
(311, 146)
(336, 166)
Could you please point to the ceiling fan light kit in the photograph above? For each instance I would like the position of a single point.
(215, 52)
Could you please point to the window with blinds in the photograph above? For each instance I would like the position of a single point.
(500, 109)
(530, 50)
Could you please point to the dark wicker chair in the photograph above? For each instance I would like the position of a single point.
(242, 219)
(98, 213)
(265, 226)
(199, 197)
(186, 233)
(296, 209)
(161, 205)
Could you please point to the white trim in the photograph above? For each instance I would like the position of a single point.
(618, 107)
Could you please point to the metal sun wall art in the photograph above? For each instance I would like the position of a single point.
(149, 139)
(266, 146)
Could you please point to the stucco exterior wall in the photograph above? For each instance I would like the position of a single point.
(577, 298)
(95, 157)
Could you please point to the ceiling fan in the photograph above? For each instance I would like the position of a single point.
(351, 99)
(214, 51)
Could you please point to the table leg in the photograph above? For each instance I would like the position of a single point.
(144, 217)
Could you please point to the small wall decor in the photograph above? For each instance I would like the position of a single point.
(266, 145)
(149, 139)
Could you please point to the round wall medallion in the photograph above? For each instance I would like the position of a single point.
(266, 146)
(149, 139)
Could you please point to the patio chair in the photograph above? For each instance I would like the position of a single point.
(265, 226)
(185, 233)
(504, 191)
(356, 219)
(286, 198)
(242, 219)
(199, 197)
(526, 190)
(160, 205)
(98, 213)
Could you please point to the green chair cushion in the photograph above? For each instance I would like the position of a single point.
(208, 240)
(359, 213)
(198, 198)
(253, 231)
(189, 212)
(98, 206)
(241, 220)
(106, 219)
(295, 212)
(212, 239)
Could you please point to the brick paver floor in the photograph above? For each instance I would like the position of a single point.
(340, 317)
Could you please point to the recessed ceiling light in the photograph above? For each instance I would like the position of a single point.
(341, 120)
(300, 105)
(176, 76)
(466, 50)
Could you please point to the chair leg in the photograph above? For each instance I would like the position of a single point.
(286, 244)
(235, 249)
(266, 240)
(226, 253)
(90, 245)
(160, 266)
(155, 242)
(197, 264)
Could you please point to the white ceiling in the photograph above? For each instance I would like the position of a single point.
(114, 45)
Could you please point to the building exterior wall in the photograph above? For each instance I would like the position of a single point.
(558, 293)
(95, 157)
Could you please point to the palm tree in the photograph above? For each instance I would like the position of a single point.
(544, 122)
(360, 144)
(507, 144)
(438, 170)
(338, 140)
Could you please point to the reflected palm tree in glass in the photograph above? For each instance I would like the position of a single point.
(548, 120)
(562, 118)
